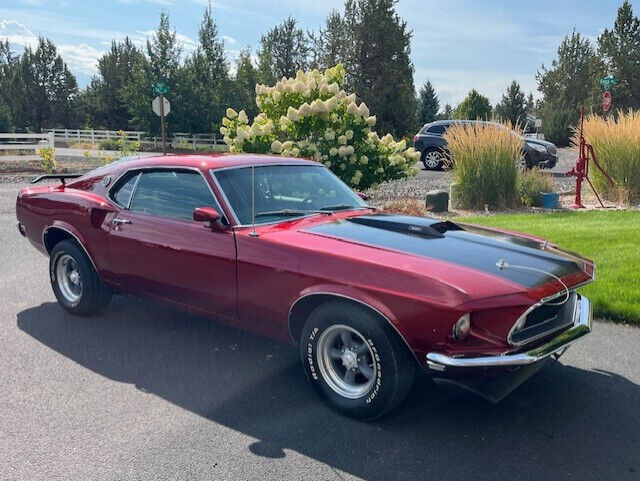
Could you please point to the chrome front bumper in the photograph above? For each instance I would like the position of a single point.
(581, 327)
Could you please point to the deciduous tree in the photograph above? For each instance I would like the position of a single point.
(474, 107)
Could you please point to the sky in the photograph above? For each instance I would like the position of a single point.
(457, 44)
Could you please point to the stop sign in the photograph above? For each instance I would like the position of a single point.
(606, 101)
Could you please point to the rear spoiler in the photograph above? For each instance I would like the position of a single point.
(61, 177)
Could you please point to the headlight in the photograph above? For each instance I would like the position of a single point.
(552, 149)
(461, 327)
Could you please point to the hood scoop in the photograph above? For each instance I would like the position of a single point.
(417, 226)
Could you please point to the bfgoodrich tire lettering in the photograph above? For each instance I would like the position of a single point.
(74, 280)
(355, 361)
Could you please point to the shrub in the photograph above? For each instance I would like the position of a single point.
(529, 186)
(556, 124)
(485, 168)
(311, 116)
(616, 142)
(108, 144)
(48, 159)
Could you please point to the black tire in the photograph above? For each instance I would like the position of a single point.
(433, 159)
(528, 163)
(93, 294)
(395, 366)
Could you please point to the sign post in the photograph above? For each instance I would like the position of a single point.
(162, 107)
(607, 82)
(606, 102)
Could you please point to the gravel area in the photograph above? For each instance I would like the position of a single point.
(425, 181)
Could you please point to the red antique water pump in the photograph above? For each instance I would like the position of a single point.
(581, 170)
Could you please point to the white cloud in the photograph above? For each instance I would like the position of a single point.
(229, 40)
(78, 57)
(81, 57)
(141, 36)
(17, 33)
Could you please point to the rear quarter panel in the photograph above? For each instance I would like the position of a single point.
(81, 213)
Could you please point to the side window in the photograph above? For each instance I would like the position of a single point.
(172, 194)
(122, 193)
(437, 129)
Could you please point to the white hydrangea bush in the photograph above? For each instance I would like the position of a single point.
(311, 116)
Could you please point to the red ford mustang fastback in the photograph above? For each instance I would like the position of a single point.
(282, 247)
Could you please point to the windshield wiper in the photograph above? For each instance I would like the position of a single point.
(292, 212)
(345, 207)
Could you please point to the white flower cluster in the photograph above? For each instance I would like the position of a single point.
(312, 116)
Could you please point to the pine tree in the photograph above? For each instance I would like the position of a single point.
(378, 64)
(513, 107)
(104, 95)
(204, 87)
(283, 51)
(243, 92)
(429, 104)
(566, 86)
(43, 91)
(162, 63)
(447, 113)
(474, 107)
(530, 105)
(620, 52)
(330, 45)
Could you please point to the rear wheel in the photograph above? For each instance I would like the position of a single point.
(74, 280)
(357, 363)
(433, 159)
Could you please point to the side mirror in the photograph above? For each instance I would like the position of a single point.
(363, 196)
(207, 214)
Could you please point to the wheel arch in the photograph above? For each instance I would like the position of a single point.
(56, 233)
(304, 305)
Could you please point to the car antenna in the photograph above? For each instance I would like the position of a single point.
(253, 232)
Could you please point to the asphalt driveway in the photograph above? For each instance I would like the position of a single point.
(145, 392)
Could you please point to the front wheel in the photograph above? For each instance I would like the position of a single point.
(74, 280)
(355, 360)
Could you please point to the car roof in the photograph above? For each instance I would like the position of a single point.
(209, 161)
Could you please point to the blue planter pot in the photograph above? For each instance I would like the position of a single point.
(550, 200)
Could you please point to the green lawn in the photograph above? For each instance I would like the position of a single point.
(611, 239)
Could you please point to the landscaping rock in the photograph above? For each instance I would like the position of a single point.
(437, 200)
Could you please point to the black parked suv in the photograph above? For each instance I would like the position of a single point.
(433, 147)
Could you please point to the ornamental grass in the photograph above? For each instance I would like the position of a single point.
(484, 157)
(616, 142)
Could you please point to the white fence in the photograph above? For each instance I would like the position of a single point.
(91, 135)
(17, 142)
(184, 140)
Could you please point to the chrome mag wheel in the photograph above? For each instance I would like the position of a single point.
(432, 159)
(68, 278)
(346, 361)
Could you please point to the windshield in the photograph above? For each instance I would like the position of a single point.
(285, 192)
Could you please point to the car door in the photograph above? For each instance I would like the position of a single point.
(157, 249)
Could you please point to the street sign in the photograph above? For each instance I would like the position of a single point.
(161, 88)
(608, 82)
(606, 101)
(156, 106)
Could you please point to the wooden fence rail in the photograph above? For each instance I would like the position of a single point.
(27, 142)
(95, 136)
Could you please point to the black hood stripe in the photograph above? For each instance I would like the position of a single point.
(477, 249)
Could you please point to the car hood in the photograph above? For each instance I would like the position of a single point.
(544, 143)
(526, 261)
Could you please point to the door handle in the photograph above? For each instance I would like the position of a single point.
(117, 221)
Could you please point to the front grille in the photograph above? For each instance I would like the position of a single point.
(543, 320)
